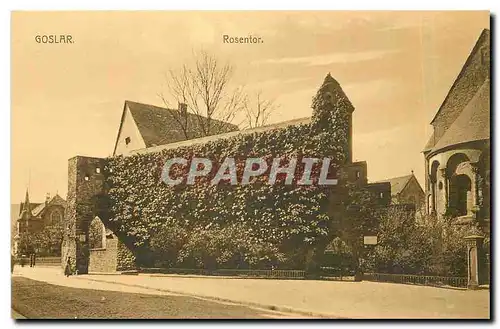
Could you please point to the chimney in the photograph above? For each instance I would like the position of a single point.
(47, 198)
(182, 107)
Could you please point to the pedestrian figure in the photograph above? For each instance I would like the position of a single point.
(31, 260)
(67, 269)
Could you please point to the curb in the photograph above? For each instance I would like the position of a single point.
(226, 300)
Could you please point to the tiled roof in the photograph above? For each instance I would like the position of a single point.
(38, 209)
(158, 125)
(469, 82)
(55, 200)
(397, 183)
(469, 89)
(222, 136)
(430, 143)
(33, 205)
(473, 123)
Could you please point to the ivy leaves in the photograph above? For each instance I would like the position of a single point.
(274, 215)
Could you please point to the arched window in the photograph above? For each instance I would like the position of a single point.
(56, 216)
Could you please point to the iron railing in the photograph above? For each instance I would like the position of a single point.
(284, 274)
(427, 280)
(39, 261)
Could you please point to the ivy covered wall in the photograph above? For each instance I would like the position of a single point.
(255, 222)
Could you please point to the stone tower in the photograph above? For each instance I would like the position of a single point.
(85, 181)
(332, 108)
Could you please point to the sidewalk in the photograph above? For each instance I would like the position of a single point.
(328, 298)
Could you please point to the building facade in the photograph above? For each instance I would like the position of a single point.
(143, 126)
(406, 190)
(457, 156)
(33, 218)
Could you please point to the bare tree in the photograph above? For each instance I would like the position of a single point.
(257, 111)
(204, 89)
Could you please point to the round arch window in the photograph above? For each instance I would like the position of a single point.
(440, 185)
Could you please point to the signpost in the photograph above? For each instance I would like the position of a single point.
(370, 240)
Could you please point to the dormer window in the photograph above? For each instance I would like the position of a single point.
(127, 140)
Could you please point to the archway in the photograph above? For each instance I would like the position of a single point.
(460, 199)
(459, 175)
(97, 234)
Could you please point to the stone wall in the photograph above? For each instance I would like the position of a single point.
(356, 172)
(125, 258)
(382, 191)
(104, 259)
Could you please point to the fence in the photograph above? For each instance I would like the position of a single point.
(39, 261)
(460, 282)
(282, 274)
(337, 273)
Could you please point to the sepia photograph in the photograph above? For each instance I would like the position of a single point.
(270, 165)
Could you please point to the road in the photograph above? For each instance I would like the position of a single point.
(315, 298)
(40, 300)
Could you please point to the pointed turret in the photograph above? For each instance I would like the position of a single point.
(26, 208)
(332, 94)
(332, 114)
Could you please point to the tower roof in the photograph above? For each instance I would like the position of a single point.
(472, 124)
(467, 100)
(332, 86)
(26, 207)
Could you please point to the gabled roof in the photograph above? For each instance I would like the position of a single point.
(398, 184)
(55, 200)
(473, 123)
(158, 125)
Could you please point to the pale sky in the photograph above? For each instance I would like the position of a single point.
(395, 67)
